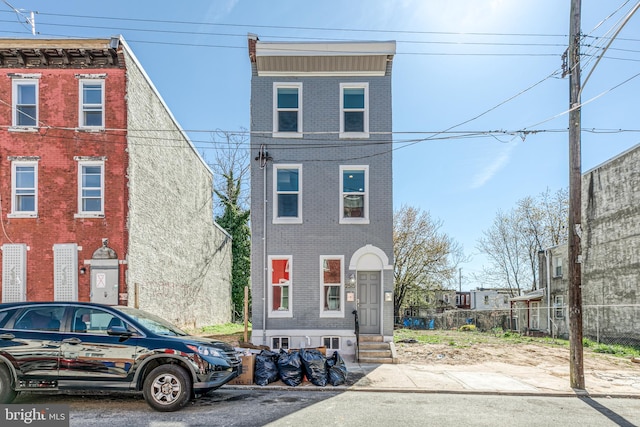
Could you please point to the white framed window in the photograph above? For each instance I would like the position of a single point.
(24, 189)
(280, 289)
(331, 286)
(557, 267)
(331, 343)
(287, 188)
(91, 103)
(90, 188)
(486, 300)
(25, 102)
(14, 272)
(354, 194)
(287, 110)
(280, 343)
(535, 315)
(354, 110)
(558, 306)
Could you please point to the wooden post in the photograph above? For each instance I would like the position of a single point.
(136, 301)
(575, 202)
(246, 314)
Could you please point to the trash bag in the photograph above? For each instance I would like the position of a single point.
(336, 370)
(266, 368)
(314, 365)
(290, 368)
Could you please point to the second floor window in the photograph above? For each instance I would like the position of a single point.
(287, 114)
(91, 188)
(25, 103)
(92, 103)
(288, 197)
(24, 188)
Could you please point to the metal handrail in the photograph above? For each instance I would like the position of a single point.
(357, 332)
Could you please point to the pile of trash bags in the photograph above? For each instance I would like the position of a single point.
(292, 367)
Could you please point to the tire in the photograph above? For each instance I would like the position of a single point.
(167, 388)
(7, 394)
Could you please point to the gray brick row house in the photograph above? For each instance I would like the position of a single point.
(321, 191)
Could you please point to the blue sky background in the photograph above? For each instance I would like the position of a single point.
(463, 70)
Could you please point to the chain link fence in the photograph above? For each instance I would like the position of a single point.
(606, 324)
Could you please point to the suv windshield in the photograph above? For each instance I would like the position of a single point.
(153, 323)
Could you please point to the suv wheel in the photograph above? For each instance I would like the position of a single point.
(7, 394)
(167, 388)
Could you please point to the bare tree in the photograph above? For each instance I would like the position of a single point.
(231, 159)
(514, 239)
(425, 257)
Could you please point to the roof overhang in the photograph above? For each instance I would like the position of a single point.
(370, 58)
(59, 53)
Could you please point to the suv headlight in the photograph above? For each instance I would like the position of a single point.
(205, 351)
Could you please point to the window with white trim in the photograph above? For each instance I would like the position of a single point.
(331, 343)
(287, 186)
(331, 286)
(280, 343)
(280, 287)
(90, 188)
(558, 306)
(354, 110)
(24, 189)
(557, 267)
(92, 103)
(287, 110)
(25, 103)
(14, 272)
(354, 197)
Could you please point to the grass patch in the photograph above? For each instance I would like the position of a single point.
(224, 329)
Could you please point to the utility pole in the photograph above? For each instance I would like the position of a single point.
(575, 202)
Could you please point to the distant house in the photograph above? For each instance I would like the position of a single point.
(103, 196)
(489, 298)
(611, 249)
(544, 310)
(321, 185)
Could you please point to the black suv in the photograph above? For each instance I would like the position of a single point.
(52, 346)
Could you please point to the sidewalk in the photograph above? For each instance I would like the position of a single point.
(485, 378)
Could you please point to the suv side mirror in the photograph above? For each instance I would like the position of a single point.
(119, 330)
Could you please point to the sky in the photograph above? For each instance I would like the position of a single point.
(479, 101)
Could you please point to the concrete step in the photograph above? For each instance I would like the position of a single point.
(373, 349)
(377, 360)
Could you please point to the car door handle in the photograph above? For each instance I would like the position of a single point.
(7, 336)
(73, 340)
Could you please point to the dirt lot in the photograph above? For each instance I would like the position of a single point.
(470, 348)
(464, 348)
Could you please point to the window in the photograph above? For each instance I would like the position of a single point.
(354, 201)
(42, 318)
(24, 189)
(95, 321)
(354, 110)
(486, 300)
(287, 110)
(535, 315)
(280, 287)
(14, 272)
(287, 186)
(559, 307)
(92, 103)
(25, 102)
(90, 188)
(331, 343)
(280, 343)
(557, 267)
(331, 286)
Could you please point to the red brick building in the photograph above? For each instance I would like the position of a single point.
(74, 178)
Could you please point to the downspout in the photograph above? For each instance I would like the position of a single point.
(547, 256)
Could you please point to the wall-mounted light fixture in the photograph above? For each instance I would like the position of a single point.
(351, 280)
(83, 270)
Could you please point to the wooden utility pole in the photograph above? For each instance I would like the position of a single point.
(575, 202)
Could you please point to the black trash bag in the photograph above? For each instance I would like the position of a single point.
(290, 368)
(314, 364)
(266, 368)
(336, 370)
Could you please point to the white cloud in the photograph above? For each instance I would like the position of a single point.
(494, 167)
